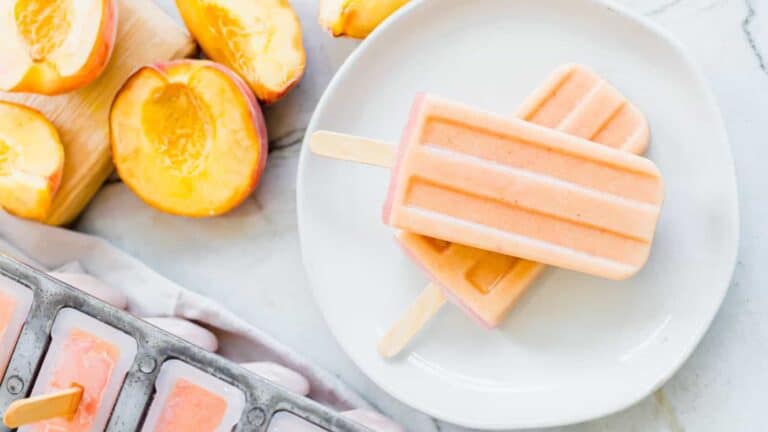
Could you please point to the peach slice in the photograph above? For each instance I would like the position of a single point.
(355, 18)
(54, 46)
(188, 137)
(31, 161)
(258, 39)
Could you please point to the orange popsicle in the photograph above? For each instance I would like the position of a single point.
(15, 302)
(191, 408)
(574, 100)
(516, 188)
(82, 352)
(188, 399)
(90, 354)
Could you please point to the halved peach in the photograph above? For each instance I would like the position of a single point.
(54, 46)
(31, 161)
(260, 40)
(188, 137)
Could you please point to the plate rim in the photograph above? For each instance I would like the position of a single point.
(722, 135)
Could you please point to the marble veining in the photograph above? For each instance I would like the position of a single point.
(291, 138)
(746, 25)
(662, 8)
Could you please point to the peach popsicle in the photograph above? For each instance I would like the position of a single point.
(188, 399)
(487, 284)
(574, 100)
(15, 302)
(517, 188)
(514, 187)
(88, 353)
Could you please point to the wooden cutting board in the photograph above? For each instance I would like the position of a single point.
(145, 34)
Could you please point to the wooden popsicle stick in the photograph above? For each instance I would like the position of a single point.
(352, 148)
(419, 313)
(372, 152)
(38, 408)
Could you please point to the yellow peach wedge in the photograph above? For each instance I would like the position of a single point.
(258, 39)
(31, 161)
(188, 137)
(54, 46)
(355, 18)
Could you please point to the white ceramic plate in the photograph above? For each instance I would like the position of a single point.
(576, 347)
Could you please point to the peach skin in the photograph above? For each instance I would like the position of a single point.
(31, 161)
(260, 40)
(53, 47)
(355, 18)
(188, 137)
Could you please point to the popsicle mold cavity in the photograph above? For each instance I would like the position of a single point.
(89, 353)
(188, 399)
(15, 302)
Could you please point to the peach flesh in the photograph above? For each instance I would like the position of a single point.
(31, 161)
(261, 41)
(182, 126)
(56, 46)
(7, 158)
(188, 137)
(43, 25)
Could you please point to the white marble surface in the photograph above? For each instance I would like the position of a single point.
(249, 260)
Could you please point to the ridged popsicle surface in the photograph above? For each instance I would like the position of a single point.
(574, 100)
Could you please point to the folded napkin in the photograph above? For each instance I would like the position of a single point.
(151, 295)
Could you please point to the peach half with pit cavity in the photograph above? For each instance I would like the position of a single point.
(54, 46)
(188, 137)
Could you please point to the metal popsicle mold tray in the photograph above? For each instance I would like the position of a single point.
(263, 399)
